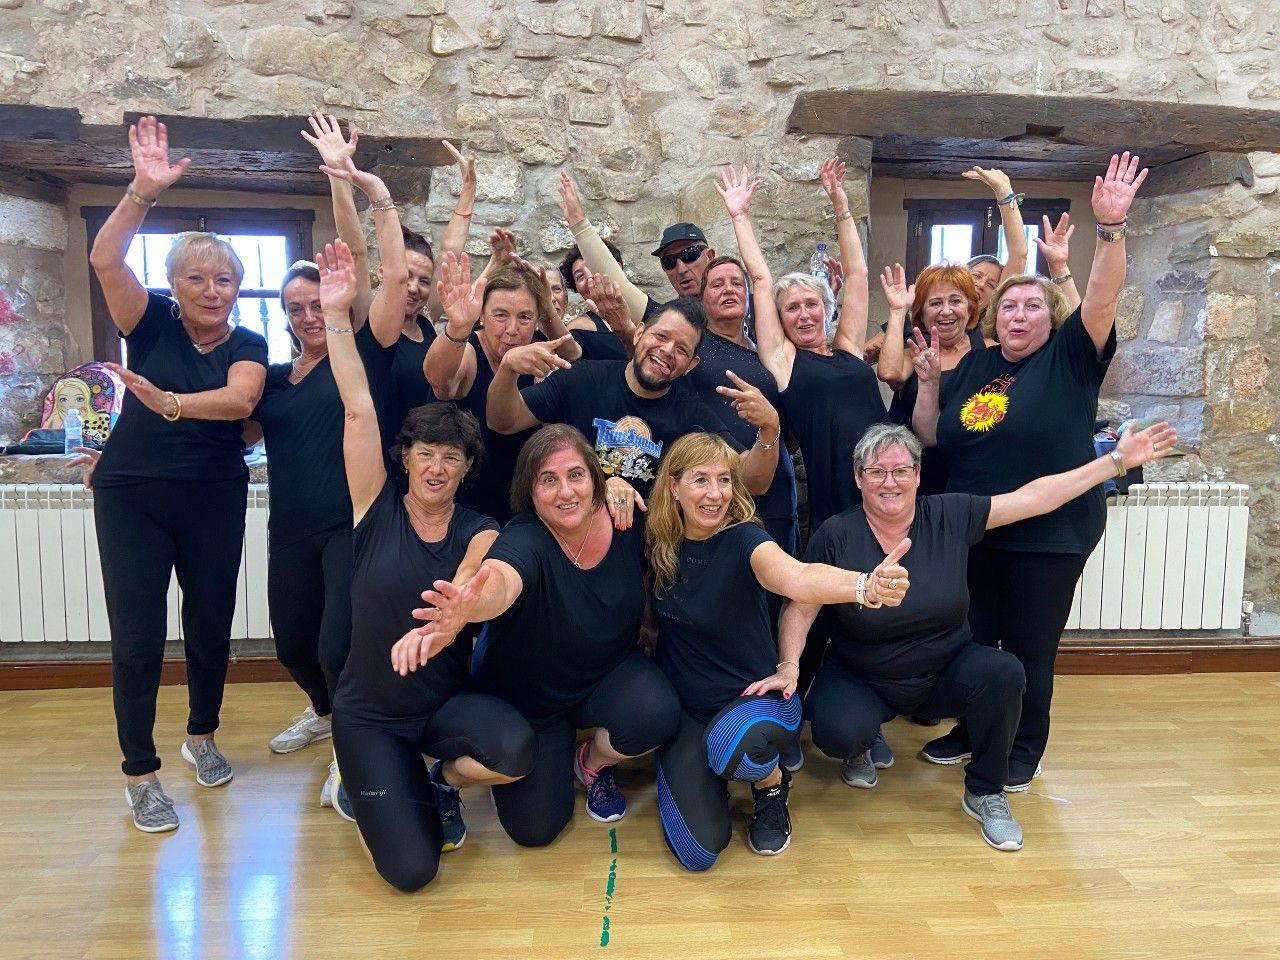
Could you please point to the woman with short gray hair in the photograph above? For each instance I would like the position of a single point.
(171, 485)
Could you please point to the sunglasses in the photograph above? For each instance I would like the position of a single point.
(687, 255)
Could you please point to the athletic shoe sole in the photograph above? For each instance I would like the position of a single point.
(447, 847)
(1009, 846)
(316, 739)
(860, 784)
(577, 772)
(337, 807)
(948, 761)
(165, 828)
(187, 756)
(768, 853)
(884, 766)
(1023, 787)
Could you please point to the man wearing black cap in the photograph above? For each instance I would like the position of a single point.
(684, 254)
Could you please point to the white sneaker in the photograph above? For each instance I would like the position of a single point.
(305, 730)
(330, 786)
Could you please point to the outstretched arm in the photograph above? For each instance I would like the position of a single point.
(488, 594)
(594, 253)
(450, 364)
(1055, 247)
(817, 583)
(1015, 234)
(454, 238)
(1112, 196)
(851, 332)
(893, 365)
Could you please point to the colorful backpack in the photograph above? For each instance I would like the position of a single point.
(93, 390)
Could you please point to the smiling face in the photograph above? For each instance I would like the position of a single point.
(704, 493)
(891, 499)
(559, 298)
(1023, 320)
(510, 319)
(946, 308)
(418, 288)
(665, 351)
(986, 277)
(580, 274)
(724, 298)
(686, 278)
(563, 492)
(306, 317)
(206, 291)
(804, 317)
(435, 471)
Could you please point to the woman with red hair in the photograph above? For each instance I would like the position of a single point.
(943, 303)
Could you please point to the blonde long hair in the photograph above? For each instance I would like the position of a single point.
(664, 527)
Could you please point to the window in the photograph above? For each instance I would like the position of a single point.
(266, 241)
(955, 230)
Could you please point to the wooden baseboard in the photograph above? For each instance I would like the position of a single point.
(64, 674)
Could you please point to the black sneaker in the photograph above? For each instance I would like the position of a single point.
(1020, 776)
(770, 830)
(949, 748)
(449, 803)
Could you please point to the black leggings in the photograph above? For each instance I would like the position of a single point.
(742, 742)
(1020, 602)
(389, 784)
(634, 702)
(978, 683)
(309, 597)
(146, 531)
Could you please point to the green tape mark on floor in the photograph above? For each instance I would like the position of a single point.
(609, 886)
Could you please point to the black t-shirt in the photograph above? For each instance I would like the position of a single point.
(716, 637)
(600, 343)
(568, 628)
(829, 404)
(716, 356)
(393, 565)
(1004, 424)
(144, 445)
(489, 492)
(899, 651)
(409, 386)
(302, 424)
(629, 432)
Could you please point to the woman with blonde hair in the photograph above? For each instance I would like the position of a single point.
(708, 555)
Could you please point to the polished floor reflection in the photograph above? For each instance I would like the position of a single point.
(1155, 832)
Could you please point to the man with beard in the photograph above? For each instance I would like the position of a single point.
(634, 409)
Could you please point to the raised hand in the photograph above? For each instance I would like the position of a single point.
(570, 202)
(831, 173)
(337, 278)
(1054, 242)
(326, 136)
(924, 358)
(152, 397)
(888, 582)
(149, 147)
(995, 179)
(85, 457)
(536, 359)
(466, 163)
(622, 500)
(1113, 193)
(900, 296)
(367, 183)
(604, 299)
(460, 298)
(750, 403)
(450, 610)
(835, 275)
(737, 189)
(1137, 447)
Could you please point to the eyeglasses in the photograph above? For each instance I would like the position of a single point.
(687, 255)
(879, 474)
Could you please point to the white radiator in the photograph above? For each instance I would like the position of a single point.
(1172, 558)
(51, 579)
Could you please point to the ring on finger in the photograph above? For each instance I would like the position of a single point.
(893, 583)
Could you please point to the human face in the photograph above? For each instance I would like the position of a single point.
(986, 277)
(510, 319)
(435, 471)
(1023, 321)
(724, 299)
(666, 350)
(580, 274)
(686, 278)
(306, 317)
(205, 292)
(418, 290)
(704, 494)
(890, 499)
(563, 494)
(804, 318)
(947, 309)
(559, 299)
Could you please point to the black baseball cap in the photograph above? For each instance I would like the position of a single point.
(679, 231)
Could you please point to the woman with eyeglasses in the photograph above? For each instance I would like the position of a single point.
(920, 657)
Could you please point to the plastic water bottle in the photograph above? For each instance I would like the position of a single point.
(73, 432)
(818, 264)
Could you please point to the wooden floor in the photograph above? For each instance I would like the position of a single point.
(1155, 832)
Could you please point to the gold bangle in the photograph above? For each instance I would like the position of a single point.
(138, 198)
(847, 215)
(385, 203)
(177, 408)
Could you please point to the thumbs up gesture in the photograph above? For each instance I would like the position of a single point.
(888, 582)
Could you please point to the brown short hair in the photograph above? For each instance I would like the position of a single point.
(1059, 306)
(550, 439)
(938, 274)
(443, 423)
(717, 261)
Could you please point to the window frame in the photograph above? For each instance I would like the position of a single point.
(293, 223)
(923, 214)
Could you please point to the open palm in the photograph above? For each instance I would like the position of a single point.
(149, 147)
(737, 189)
(337, 276)
(1113, 193)
(460, 298)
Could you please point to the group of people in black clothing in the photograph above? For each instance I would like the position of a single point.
(490, 530)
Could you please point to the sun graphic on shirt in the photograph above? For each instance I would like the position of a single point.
(983, 411)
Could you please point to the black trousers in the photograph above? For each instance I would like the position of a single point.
(980, 684)
(389, 783)
(741, 742)
(309, 599)
(634, 702)
(1019, 602)
(146, 531)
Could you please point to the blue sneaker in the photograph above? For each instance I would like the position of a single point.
(342, 803)
(605, 801)
(881, 753)
(449, 803)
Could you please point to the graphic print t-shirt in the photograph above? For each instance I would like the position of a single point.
(629, 432)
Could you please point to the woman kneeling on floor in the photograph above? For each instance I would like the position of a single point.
(713, 568)
(401, 695)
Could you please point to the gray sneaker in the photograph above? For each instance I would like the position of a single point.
(152, 809)
(305, 730)
(212, 769)
(859, 771)
(999, 828)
